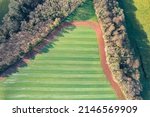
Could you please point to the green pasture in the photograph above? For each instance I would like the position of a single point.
(138, 25)
(69, 68)
(85, 12)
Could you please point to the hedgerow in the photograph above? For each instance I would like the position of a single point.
(120, 56)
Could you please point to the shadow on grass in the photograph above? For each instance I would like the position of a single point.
(44, 46)
(139, 40)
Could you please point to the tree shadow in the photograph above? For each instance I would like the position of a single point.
(139, 40)
(45, 46)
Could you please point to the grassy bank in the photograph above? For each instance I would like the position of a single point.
(3, 8)
(138, 25)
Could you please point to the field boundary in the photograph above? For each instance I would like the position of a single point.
(95, 26)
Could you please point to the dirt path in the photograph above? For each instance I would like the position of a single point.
(104, 64)
(95, 26)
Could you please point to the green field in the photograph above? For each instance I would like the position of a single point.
(68, 68)
(3, 8)
(138, 24)
(85, 12)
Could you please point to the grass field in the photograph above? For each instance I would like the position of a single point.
(85, 12)
(3, 8)
(69, 68)
(138, 23)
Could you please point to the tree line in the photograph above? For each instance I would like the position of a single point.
(18, 11)
(121, 57)
(27, 23)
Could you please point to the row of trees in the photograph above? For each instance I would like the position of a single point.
(34, 27)
(120, 56)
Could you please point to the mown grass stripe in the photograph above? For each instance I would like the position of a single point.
(64, 97)
(105, 87)
(61, 72)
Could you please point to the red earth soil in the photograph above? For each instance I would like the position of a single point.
(101, 44)
(95, 26)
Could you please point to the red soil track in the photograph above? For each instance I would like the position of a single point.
(102, 53)
(95, 26)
